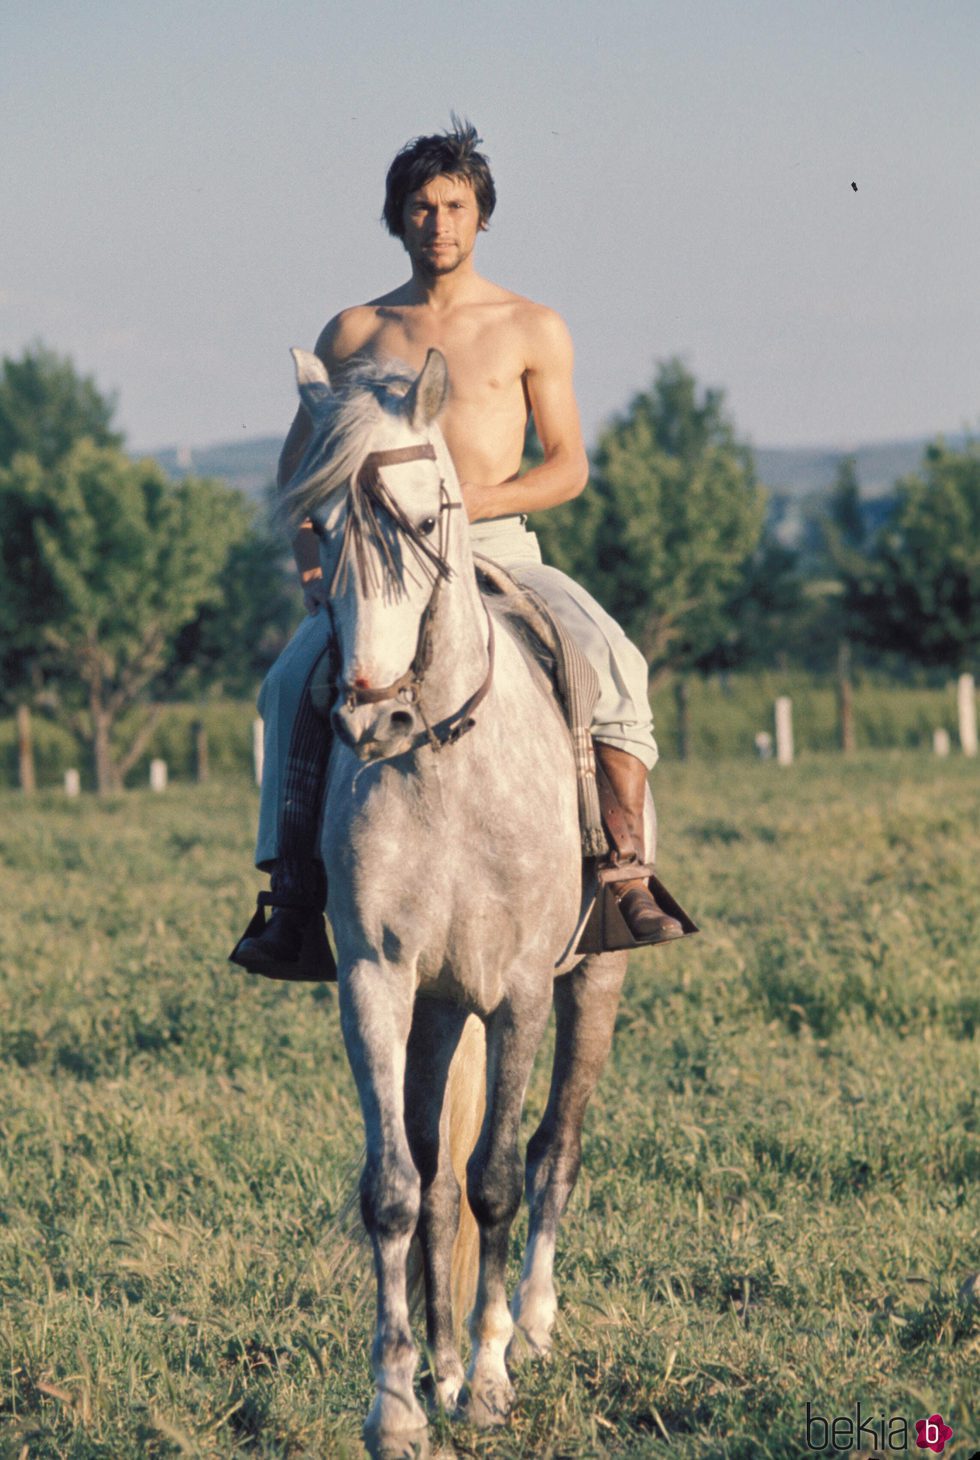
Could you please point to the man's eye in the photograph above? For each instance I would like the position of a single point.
(427, 526)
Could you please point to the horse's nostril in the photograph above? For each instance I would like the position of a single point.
(401, 720)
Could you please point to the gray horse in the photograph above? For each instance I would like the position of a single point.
(452, 849)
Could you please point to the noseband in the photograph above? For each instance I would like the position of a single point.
(408, 686)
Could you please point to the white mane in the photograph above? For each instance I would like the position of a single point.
(342, 429)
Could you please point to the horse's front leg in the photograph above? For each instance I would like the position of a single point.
(436, 1030)
(376, 1013)
(493, 1183)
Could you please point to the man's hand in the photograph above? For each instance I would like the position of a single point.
(478, 501)
(315, 592)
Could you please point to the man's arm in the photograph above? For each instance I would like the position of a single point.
(565, 469)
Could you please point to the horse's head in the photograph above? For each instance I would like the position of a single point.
(381, 490)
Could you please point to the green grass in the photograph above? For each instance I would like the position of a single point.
(779, 1196)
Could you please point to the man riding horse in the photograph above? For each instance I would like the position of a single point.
(507, 357)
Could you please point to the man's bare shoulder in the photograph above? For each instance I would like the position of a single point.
(527, 312)
(345, 334)
(543, 331)
(540, 329)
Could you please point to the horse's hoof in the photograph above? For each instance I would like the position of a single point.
(487, 1405)
(528, 1345)
(445, 1392)
(440, 1392)
(396, 1428)
(407, 1445)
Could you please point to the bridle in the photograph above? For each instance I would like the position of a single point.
(368, 494)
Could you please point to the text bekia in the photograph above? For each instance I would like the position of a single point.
(876, 1432)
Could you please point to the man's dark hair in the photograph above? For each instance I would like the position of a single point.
(449, 154)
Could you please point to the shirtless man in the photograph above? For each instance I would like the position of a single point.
(506, 356)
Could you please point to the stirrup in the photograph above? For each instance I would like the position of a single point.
(316, 962)
(605, 930)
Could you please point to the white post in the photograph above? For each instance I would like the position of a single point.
(158, 775)
(940, 742)
(258, 749)
(966, 705)
(73, 783)
(784, 730)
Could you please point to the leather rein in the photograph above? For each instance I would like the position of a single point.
(408, 686)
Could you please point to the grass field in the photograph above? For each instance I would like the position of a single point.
(779, 1198)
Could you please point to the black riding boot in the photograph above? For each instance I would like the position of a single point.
(293, 943)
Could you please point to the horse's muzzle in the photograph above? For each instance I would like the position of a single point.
(377, 731)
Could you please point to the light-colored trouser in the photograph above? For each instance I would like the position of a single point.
(622, 712)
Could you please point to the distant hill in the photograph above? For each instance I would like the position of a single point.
(794, 472)
(801, 471)
(799, 479)
(249, 465)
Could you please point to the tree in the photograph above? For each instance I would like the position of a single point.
(46, 406)
(105, 562)
(668, 529)
(235, 638)
(844, 535)
(760, 622)
(845, 520)
(915, 590)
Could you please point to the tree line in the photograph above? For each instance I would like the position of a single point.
(672, 537)
(121, 590)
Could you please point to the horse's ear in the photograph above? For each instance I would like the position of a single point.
(312, 380)
(427, 394)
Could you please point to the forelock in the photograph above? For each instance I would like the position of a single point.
(369, 390)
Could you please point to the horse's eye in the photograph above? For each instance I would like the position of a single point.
(427, 525)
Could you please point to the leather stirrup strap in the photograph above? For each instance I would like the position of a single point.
(614, 819)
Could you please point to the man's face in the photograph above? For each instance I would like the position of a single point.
(442, 220)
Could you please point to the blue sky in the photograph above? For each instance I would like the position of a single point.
(189, 190)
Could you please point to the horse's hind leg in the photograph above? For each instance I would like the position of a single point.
(493, 1184)
(436, 1029)
(586, 1001)
(376, 1012)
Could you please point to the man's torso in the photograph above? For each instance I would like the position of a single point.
(488, 346)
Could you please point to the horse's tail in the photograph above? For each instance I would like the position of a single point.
(465, 1103)
(462, 1117)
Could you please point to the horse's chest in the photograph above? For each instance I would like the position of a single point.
(462, 898)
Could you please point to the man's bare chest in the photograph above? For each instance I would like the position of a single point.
(486, 362)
